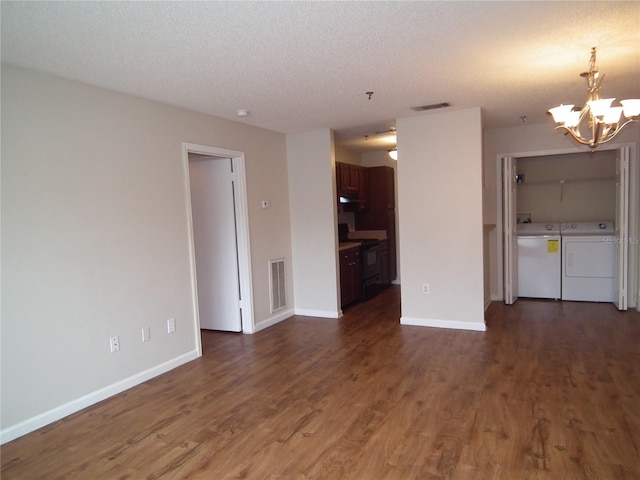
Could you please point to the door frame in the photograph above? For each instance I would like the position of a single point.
(242, 228)
(633, 264)
(509, 233)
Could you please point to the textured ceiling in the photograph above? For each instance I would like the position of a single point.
(298, 66)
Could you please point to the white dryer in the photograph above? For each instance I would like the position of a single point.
(539, 260)
(588, 261)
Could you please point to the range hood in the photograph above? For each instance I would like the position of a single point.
(349, 198)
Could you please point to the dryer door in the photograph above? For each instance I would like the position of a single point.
(590, 258)
(589, 269)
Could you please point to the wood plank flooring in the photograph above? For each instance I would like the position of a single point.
(551, 391)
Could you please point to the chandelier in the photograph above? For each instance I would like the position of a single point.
(598, 119)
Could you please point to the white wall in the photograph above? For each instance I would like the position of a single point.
(95, 239)
(531, 140)
(568, 188)
(312, 194)
(440, 217)
(346, 156)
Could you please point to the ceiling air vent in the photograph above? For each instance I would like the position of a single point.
(431, 107)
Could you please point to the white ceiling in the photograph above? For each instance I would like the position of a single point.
(299, 66)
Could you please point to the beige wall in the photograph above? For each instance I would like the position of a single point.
(312, 194)
(346, 156)
(440, 218)
(95, 239)
(573, 187)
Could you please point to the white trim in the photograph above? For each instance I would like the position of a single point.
(433, 322)
(282, 315)
(55, 414)
(510, 237)
(242, 227)
(192, 251)
(244, 250)
(487, 304)
(622, 228)
(317, 313)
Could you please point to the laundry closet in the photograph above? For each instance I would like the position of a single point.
(565, 212)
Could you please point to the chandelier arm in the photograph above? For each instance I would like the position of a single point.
(616, 131)
(583, 113)
(607, 137)
(576, 136)
(596, 132)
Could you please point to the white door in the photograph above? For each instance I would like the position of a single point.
(214, 232)
(622, 226)
(510, 242)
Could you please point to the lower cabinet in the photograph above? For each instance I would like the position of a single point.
(350, 276)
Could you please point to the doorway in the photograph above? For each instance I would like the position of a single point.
(621, 208)
(219, 242)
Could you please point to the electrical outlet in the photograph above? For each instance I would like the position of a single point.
(171, 325)
(146, 334)
(425, 288)
(114, 343)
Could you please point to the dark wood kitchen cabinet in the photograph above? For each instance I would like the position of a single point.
(348, 179)
(352, 183)
(363, 192)
(350, 276)
(381, 211)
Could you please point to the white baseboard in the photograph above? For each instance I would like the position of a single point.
(317, 313)
(273, 320)
(431, 322)
(55, 414)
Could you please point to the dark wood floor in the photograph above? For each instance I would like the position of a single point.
(550, 391)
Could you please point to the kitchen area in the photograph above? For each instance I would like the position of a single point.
(366, 230)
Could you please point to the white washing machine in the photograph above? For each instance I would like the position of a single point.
(539, 260)
(588, 261)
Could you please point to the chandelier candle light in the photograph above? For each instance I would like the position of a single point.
(602, 119)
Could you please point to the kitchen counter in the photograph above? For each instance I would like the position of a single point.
(347, 245)
(368, 234)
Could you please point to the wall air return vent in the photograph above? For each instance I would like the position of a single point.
(431, 107)
(277, 285)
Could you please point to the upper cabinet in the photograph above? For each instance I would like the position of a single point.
(348, 179)
(353, 185)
